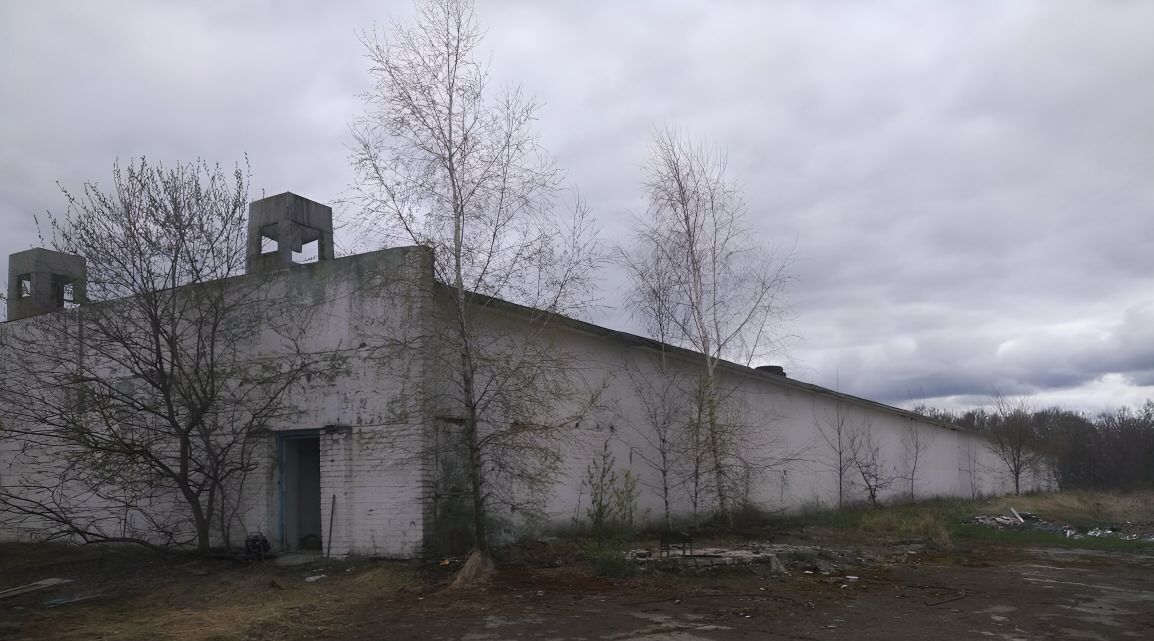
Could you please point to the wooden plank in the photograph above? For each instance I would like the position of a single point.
(42, 584)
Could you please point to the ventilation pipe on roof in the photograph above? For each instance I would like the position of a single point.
(776, 370)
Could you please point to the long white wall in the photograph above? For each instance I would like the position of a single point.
(780, 421)
(378, 416)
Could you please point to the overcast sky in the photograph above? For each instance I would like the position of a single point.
(969, 186)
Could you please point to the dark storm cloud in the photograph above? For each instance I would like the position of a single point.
(966, 185)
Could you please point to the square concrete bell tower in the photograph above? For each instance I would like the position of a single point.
(41, 281)
(282, 231)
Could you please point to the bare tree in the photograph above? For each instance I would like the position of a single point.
(866, 459)
(140, 408)
(1112, 450)
(444, 162)
(697, 273)
(915, 443)
(1013, 439)
(837, 431)
(663, 396)
(1123, 448)
(973, 475)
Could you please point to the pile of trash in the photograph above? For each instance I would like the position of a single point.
(1015, 520)
(1128, 531)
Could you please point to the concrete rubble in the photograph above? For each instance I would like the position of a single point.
(757, 558)
(1128, 531)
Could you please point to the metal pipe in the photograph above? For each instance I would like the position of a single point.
(329, 538)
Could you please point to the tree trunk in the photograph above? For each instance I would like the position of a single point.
(665, 498)
(480, 535)
(718, 460)
(202, 536)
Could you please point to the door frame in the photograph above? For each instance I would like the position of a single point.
(282, 439)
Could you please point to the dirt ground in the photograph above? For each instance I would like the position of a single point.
(988, 591)
(1031, 594)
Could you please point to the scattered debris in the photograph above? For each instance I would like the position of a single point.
(1141, 531)
(1025, 520)
(760, 558)
(314, 578)
(42, 584)
(1000, 522)
(1128, 531)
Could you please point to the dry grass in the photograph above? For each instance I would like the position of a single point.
(1082, 509)
(925, 525)
(252, 603)
(150, 598)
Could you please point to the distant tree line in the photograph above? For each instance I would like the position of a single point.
(1110, 451)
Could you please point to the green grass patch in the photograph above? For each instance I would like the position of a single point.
(940, 522)
(1027, 537)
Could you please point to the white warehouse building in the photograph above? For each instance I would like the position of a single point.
(355, 461)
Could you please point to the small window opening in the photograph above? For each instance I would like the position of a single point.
(24, 285)
(268, 242)
(308, 252)
(69, 291)
(64, 292)
(306, 244)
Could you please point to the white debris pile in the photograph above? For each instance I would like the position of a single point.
(1015, 520)
(1000, 522)
(1128, 531)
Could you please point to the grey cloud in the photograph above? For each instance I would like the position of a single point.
(967, 185)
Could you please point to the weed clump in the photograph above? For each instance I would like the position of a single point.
(925, 525)
(610, 564)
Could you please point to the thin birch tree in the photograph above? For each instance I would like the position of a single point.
(444, 160)
(696, 270)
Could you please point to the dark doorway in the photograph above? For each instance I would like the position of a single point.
(300, 488)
